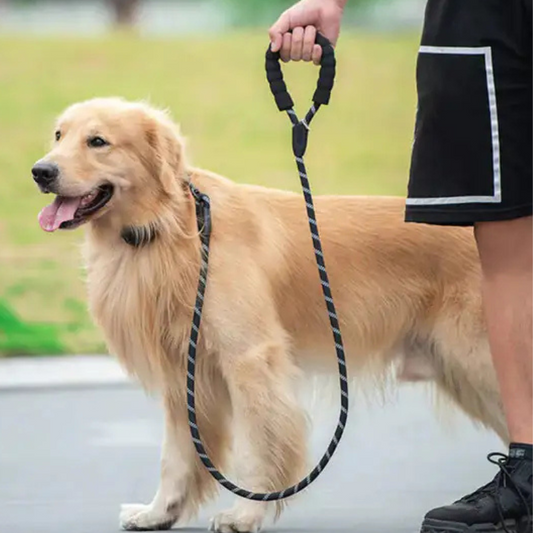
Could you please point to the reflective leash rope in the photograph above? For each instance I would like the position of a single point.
(300, 131)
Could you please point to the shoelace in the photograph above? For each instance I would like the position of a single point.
(505, 479)
(502, 479)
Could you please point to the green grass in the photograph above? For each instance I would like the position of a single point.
(216, 90)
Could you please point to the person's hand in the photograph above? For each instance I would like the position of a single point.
(304, 19)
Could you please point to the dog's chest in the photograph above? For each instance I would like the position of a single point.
(137, 313)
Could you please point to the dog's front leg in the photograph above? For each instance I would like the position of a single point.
(184, 483)
(269, 431)
(166, 506)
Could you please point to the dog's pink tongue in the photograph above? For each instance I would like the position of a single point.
(59, 211)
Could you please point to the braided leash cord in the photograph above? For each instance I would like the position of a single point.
(300, 131)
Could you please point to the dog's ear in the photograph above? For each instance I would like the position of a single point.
(166, 152)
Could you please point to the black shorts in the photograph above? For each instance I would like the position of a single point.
(472, 150)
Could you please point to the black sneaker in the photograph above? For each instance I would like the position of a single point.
(501, 506)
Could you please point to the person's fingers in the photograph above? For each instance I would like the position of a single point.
(317, 54)
(278, 29)
(297, 43)
(308, 43)
(285, 51)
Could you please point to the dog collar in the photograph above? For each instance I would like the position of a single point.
(138, 236)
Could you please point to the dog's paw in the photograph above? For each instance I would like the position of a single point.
(138, 517)
(233, 521)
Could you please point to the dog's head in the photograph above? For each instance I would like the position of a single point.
(110, 158)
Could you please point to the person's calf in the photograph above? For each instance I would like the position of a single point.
(505, 250)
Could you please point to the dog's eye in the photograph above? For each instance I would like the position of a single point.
(58, 135)
(97, 142)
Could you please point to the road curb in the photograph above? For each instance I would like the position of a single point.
(23, 373)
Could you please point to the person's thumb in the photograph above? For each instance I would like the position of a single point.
(280, 27)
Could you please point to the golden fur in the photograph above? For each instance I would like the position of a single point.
(407, 295)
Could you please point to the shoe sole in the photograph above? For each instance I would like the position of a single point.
(442, 526)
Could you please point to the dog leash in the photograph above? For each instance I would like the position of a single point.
(300, 129)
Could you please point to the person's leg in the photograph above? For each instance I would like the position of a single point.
(505, 250)
(504, 504)
(471, 165)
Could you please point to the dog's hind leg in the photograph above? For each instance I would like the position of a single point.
(476, 392)
(269, 430)
(185, 483)
(461, 367)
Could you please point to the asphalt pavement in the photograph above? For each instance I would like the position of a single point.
(71, 453)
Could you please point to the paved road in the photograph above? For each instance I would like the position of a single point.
(68, 458)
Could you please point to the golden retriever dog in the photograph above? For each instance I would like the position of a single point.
(408, 298)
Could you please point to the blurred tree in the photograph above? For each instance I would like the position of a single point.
(124, 11)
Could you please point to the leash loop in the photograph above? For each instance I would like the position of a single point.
(326, 76)
(300, 129)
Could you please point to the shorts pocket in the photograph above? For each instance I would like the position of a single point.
(455, 157)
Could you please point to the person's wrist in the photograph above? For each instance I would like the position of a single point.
(340, 3)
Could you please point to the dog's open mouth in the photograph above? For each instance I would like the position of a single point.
(68, 212)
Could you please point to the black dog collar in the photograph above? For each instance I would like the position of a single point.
(138, 236)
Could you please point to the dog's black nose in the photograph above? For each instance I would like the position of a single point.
(44, 174)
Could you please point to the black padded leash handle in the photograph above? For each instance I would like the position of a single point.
(326, 76)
